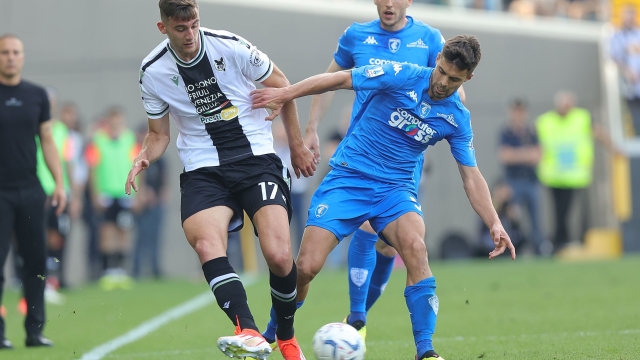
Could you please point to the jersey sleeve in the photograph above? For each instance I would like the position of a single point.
(437, 43)
(384, 77)
(153, 104)
(344, 52)
(461, 143)
(253, 63)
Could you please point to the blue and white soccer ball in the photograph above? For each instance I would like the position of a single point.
(338, 341)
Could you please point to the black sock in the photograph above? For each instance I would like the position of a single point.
(118, 259)
(229, 292)
(105, 261)
(283, 298)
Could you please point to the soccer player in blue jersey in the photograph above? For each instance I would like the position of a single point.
(407, 109)
(393, 38)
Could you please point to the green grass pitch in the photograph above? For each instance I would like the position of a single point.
(488, 310)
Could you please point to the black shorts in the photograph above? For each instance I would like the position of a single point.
(118, 211)
(248, 185)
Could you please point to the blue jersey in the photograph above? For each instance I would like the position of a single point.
(369, 44)
(398, 121)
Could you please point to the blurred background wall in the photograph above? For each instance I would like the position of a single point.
(91, 51)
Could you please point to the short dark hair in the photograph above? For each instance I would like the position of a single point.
(179, 10)
(463, 51)
(518, 103)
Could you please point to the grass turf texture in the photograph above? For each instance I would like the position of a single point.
(489, 310)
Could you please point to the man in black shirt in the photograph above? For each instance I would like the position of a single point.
(24, 113)
(520, 153)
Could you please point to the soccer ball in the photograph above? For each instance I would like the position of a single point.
(338, 341)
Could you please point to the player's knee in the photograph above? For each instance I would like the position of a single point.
(306, 271)
(280, 263)
(412, 247)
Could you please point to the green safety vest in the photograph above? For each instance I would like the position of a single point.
(567, 149)
(60, 134)
(116, 156)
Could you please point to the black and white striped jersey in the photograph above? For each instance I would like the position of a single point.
(208, 98)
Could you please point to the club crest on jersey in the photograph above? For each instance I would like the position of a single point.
(374, 71)
(255, 59)
(321, 210)
(394, 44)
(219, 64)
(424, 109)
(174, 78)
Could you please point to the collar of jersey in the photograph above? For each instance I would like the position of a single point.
(195, 60)
(406, 27)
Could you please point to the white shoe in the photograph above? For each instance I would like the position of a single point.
(52, 296)
(246, 343)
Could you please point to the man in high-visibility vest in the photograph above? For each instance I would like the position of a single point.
(566, 137)
(110, 156)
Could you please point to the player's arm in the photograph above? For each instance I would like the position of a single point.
(274, 98)
(319, 106)
(480, 198)
(52, 159)
(301, 158)
(153, 146)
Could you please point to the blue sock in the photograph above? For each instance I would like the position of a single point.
(379, 278)
(423, 308)
(361, 262)
(269, 333)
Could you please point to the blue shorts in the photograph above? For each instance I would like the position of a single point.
(344, 200)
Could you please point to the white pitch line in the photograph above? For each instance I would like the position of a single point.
(155, 323)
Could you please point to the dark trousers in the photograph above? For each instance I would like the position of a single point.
(562, 199)
(150, 222)
(22, 212)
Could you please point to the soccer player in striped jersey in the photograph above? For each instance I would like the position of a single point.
(407, 109)
(203, 78)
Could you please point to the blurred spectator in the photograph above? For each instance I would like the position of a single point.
(566, 137)
(79, 172)
(520, 153)
(151, 198)
(625, 51)
(299, 187)
(502, 196)
(110, 156)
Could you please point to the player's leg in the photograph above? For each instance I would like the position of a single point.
(336, 210)
(385, 256)
(361, 261)
(208, 212)
(7, 201)
(32, 247)
(400, 218)
(266, 197)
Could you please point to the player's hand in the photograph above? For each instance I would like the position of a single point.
(312, 142)
(137, 168)
(502, 242)
(59, 199)
(270, 98)
(302, 161)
